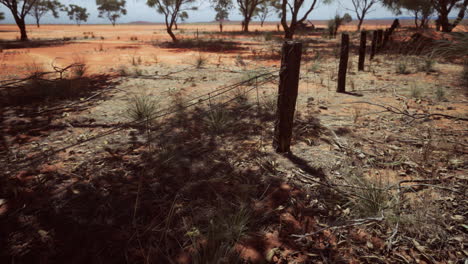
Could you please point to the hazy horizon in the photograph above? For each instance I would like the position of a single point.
(139, 11)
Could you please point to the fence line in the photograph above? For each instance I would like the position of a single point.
(223, 90)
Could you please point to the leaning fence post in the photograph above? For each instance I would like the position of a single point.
(385, 38)
(362, 50)
(379, 39)
(374, 45)
(343, 63)
(287, 95)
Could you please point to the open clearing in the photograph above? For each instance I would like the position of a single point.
(151, 152)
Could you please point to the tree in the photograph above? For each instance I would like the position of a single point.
(77, 13)
(335, 23)
(19, 9)
(111, 9)
(222, 8)
(42, 7)
(265, 9)
(294, 8)
(442, 7)
(182, 16)
(2, 16)
(249, 9)
(420, 9)
(171, 9)
(362, 8)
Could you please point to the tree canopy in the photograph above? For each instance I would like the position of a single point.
(42, 7)
(77, 13)
(171, 9)
(111, 9)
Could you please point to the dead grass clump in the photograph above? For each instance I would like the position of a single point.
(416, 91)
(200, 61)
(142, 107)
(464, 74)
(402, 67)
(220, 238)
(80, 66)
(218, 120)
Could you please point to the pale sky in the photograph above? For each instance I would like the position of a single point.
(139, 11)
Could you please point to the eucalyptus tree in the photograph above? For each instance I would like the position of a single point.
(362, 8)
(111, 9)
(443, 8)
(77, 13)
(293, 8)
(19, 10)
(265, 9)
(248, 9)
(171, 10)
(222, 8)
(182, 16)
(42, 7)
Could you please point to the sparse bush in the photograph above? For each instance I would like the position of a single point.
(221, 237)
(416, 92)
(268, 36)
(34, 70)
(464, 74)
(138, 72)
(80, 66)
(218, 120)
(402, 68)
(241, 96)
(122, 70)
(440, 93)
(142, 107)
(269, 102)
(370, 198)
(200, 61)
(427, 65)
(136, 60)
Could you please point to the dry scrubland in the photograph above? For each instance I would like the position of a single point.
(148, 152)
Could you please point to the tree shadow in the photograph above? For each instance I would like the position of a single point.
(148, 200)
(30, 107)
(15, 44)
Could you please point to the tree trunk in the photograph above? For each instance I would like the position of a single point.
(461, 14)
(173, 37)
(444, 22)
(176, 27)
(22, 27)
(360, 24)
(37, 23)
(245, 25)
(220, 27)
(288, 33)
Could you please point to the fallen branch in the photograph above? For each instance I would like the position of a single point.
(351, 223)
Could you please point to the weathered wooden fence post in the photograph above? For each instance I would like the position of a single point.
(386, 38)
(287, 95)
(379, 39)
(343, 63)
(362, 51)
(374, 45)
